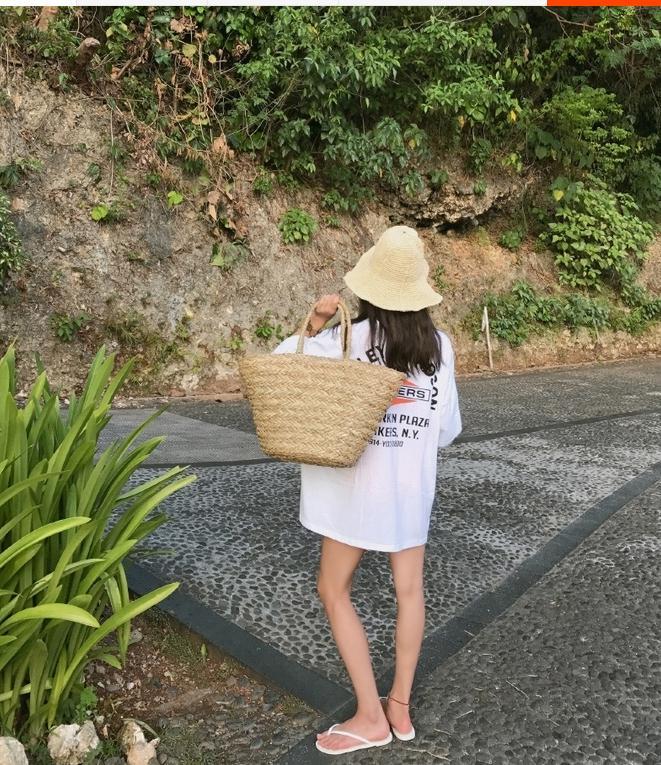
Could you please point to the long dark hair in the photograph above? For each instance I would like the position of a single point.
(408, 339)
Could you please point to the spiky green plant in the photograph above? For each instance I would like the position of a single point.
(67, 523)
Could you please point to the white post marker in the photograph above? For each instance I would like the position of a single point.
(485, 329)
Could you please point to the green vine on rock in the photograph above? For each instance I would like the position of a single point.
(12, 256)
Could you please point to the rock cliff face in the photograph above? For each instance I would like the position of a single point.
(143, 275)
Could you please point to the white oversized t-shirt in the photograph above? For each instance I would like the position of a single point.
(384, 501)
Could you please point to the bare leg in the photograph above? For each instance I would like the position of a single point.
(338, 563)
(407, 571)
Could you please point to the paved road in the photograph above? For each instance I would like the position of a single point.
(545, 458)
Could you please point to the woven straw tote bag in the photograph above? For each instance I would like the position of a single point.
(316, 410)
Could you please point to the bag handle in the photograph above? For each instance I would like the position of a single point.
(345, 323)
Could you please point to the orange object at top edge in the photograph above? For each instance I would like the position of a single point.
(574, 3)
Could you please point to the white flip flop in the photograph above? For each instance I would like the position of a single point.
(409, 736)
(364, 743)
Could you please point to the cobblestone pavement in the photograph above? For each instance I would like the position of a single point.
(541, 453)
(570, 674)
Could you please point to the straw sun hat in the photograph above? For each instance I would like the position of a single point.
(393, 273)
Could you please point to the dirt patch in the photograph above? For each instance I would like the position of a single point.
(205, 706)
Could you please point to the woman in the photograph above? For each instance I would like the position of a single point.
(384, 502)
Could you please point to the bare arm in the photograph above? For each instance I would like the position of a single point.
(324, 310)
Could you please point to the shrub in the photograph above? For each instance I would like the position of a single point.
(367, 89)
(263, 184)
(480, 153)
(174, 198)
(438, 277)
(513, 162)
(94, 171)
(296, 226)
(597, 237)
(585, 129)
(287, 181)
(149, 348)
(348, 200)
(154, 179)
(516, 314)
(480, 187)
(67, 523)
(11, 251)
(266, 328)
(644, 180)
(12, 173)
(235, 342)
(67, 326)
(511, 239)
(226, 256)
(438, 179)
(510, 314)
(412, 183)
(107, 213)
(193, 166)
(332, 221)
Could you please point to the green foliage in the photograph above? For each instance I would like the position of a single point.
(193, 166)
(480, 187)
(127, 329)
(135, 256)
(64, 82)
(154, 179)
(332, 221)
(67, 326)
(148, 347)
(174, 198)
(349, 200)
(107, 213)
(94, 171)
(12, 256)
(263, 184)
(63, 587)
(100, 212)
(480, 153)
(608, 47)
(360, 94)
(117, 152)
(314, 86)
(438, 179)
(564, 189)
(513, 161)
(412, 183)
(584, 129)
(438, 277)
(287, 181)
(334, 200)
(481, 235)
(644, 180)
(11, 174)
(511, 239)
(365, 96)
(297, 226)
(597, 237)
(235, 342)
(58, 43)
(266, 329)
(515, 315)
(228, 255)
(80, 706)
